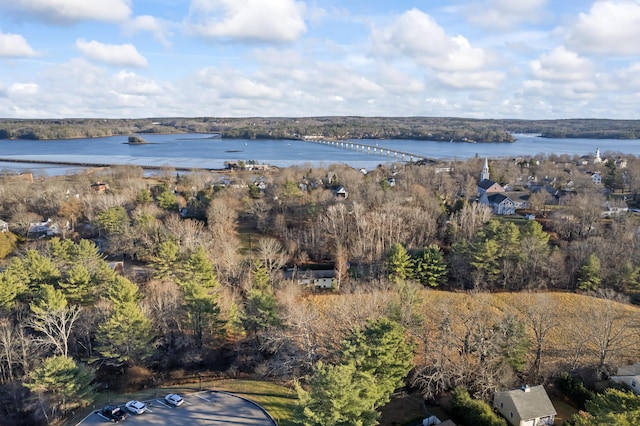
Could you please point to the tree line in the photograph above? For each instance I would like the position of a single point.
(419, 128)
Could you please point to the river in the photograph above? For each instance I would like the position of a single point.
(202, 151)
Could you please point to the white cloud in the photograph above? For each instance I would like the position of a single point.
(234, 84)
(626, 79)
(112, 54)
(23, 89)
(131, 84)
(147, 23)
(418, 36)
(78, 88)
(610, 27)
(505, 14)
(471, 80)
(395, 81)
(562, 65)
(14, 45)
(247, 20)
(68, 11)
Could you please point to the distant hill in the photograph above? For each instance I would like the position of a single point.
(419, 128)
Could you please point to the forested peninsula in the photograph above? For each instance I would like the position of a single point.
(416, 128)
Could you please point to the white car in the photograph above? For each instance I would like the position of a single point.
(173, 399)
(136, 407)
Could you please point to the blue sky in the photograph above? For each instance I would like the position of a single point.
(529, 59)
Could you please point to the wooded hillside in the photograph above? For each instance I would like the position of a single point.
(427, 128)
(204, 272)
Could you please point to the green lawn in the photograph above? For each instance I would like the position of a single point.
(278, 400)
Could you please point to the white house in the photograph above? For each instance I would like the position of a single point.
(630, 376)
(340, 192)
(526, 406)
(499, 202)
(4, 226)
(319, 279)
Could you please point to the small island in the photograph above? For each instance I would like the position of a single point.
(136, 140)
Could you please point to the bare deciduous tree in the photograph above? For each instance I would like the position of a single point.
(272, 254)
(465, 223)
(539, 311)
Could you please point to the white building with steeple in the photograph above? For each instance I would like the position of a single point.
(597, 160)
(485, 170)
(486, 184)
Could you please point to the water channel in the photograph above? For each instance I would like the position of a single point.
(203, 151)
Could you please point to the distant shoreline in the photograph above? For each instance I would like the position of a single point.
(99, 165)
(339, 128)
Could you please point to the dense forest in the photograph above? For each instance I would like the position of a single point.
(136, 278)
(420, 128)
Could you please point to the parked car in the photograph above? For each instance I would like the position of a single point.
(113, 413)
(136, 407)
(173, 399)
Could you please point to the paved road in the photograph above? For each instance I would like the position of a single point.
(201, 408)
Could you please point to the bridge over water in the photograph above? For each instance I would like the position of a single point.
(371, 149)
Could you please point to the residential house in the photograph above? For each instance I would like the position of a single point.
(499, 202)
(433, 421)
(100, 187)
(316, 279)
(43, 229)
(340, 191)
(611, 211)
(526, 406)
(4, 226)
(596, 178)
(621, 163)
(629, 375)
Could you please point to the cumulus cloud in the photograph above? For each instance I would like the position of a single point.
(70, 11)
(112, 54)
(234, 84)
(396, 81)
(23, 89)
(505, 14)
(79, 88)
(159, 28)
(562, 65)
(418, 36)
(130, 83)
(14, 46)
(610, 27)
(471, 80)
(247, 20)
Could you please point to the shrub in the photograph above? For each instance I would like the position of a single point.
(574, 389)
(471, 411)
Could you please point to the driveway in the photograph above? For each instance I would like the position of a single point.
(201, 408)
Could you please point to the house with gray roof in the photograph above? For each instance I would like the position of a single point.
(526, 406)
(629, 375)
(499, 202)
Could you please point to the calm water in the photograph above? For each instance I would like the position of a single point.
(200, 151)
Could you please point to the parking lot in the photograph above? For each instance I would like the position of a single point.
(201, 408)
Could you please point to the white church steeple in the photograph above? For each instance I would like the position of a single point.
(485, 170)
(597, 159)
